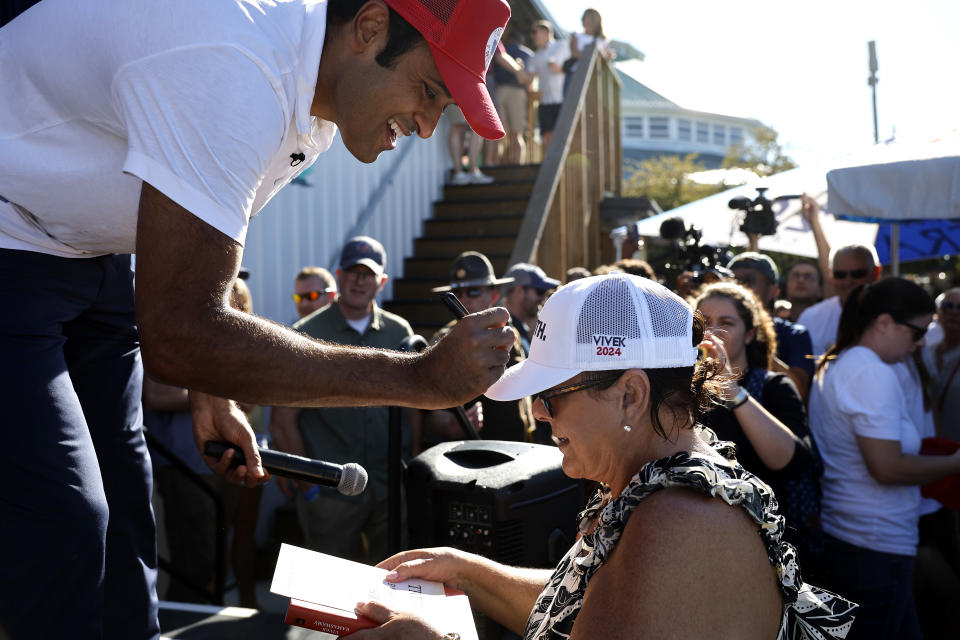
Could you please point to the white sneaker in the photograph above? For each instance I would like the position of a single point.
(476, 177)
(460, 178)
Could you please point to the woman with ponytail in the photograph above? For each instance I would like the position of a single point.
(860, 419)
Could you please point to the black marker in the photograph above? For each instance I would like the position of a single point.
(453, 303)
(456, 307)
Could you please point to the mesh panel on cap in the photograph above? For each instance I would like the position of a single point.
(429, 17)
(667, 316)
(608, 310)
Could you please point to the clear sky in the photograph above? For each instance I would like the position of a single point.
(800, 67)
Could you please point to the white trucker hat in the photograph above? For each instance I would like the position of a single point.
(616, 321)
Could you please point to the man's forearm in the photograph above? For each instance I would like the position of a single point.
(192, 338)
(236, 355)
(823, 256)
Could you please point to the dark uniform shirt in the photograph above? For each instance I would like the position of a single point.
(503, 420)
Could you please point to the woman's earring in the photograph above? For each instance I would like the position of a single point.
(627, 427)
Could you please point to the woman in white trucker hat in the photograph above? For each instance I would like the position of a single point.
(614, 369)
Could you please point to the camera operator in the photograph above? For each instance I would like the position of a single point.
(699, 264)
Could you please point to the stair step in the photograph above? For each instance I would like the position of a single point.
(485, 218)
(473, 209)
(417, 288)
(495, 191)
(453, 246)
(479, 226)
(423, 266)
(420, 313)
(512, 172)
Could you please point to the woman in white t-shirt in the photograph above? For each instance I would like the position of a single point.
(861, 421)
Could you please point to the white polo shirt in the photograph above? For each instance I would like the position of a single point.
(822, 321)
(551, 82)
(207, 101)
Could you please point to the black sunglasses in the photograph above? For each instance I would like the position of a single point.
(472, 292)
(857, 274)
(546, 396)
(949, 306)
(918, 332)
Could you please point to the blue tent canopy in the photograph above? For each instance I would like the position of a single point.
(920, 240)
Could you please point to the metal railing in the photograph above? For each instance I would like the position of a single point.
(582, 166)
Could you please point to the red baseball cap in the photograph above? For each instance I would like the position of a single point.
(463, 36)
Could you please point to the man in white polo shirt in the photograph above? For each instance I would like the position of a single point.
(161, 127)
(852, 266)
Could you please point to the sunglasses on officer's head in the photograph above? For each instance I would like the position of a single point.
(471, 292)
(312, 296)
(856, 274)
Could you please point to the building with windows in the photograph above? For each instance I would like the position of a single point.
(653, 126)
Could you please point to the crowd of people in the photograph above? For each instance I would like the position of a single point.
(828, 417)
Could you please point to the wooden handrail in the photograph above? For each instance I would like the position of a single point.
(583, 165)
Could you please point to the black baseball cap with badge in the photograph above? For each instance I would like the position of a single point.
(758, 262)
(472, 269)
(366, 251)
(530, 275)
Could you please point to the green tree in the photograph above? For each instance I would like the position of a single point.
(764, 155)
(666, 180)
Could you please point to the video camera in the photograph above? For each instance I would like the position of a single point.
(758, 213)
(699, 259)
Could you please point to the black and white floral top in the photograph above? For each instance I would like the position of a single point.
(809, 613)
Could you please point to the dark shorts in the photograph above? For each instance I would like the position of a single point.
(547, 115)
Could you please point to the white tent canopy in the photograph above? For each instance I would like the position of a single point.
(898, 183)
(720, 225)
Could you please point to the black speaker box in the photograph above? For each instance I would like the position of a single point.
(508, 501)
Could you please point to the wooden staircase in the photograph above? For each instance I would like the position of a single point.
(484, 218)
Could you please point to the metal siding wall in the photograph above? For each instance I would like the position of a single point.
(307, 225)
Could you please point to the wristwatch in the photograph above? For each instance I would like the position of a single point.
(741, 397)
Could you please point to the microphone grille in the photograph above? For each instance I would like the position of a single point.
(353, 480)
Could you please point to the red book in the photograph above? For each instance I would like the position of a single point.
(326, 619)
(324, 590)
(946, 489)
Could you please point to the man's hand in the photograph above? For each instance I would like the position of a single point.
(218, 419)
(467, 360)
(810, 209)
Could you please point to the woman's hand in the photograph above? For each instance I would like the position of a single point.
(394, 625)
(442, 564)
(712, 347)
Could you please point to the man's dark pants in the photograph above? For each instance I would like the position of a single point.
(77, 535)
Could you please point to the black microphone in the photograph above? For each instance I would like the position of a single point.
(349, 479)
